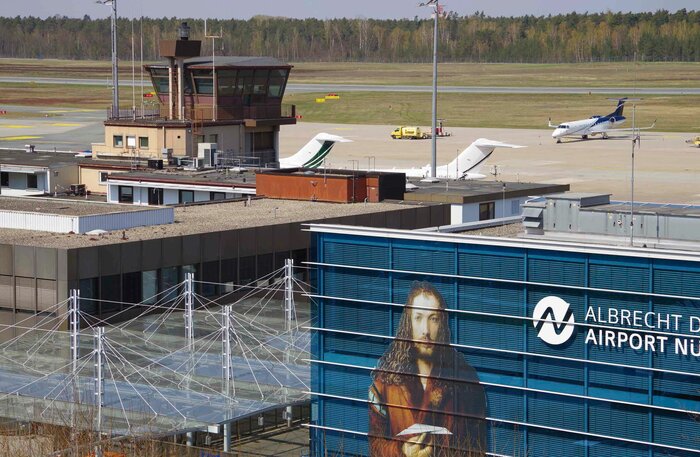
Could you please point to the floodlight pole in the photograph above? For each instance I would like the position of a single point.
(115, 60)
(635, 140)
(435, 4)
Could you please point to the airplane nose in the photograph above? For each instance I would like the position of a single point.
(556, 133)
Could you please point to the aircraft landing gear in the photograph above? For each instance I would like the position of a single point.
(585, 137)
(558, 140)
(605, 136)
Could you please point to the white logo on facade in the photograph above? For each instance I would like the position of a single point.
(554, 320)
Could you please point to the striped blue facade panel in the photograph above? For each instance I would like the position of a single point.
(607, 448)
(676, 429)
(506, 403)
(543, 443)
(346, 381)
(491, 266)
(358, 285)
(674, 281)
(353, 344)
(360, 255)
(618, 277)
(357, 317)
(431, 258)
(618, 382)
(557, 375)
(490, 332)
(556, 411)
(623, 421)
(677, 390)
(498, 366)
(660, 452)
(490, 297)
(345, 414)
(550, 271)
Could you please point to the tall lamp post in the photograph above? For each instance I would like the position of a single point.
(436, 12)
(115, 62)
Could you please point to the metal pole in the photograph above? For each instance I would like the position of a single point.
(227, 436)
(74, 313)
(227, 371)
(99, 384)
(189, 311)
(115, 63)
(288, 294)
(213, 78)
(433, 139)
(635, 138)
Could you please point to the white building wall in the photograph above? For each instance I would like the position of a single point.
(460, 214)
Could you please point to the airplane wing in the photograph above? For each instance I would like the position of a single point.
(633, 129)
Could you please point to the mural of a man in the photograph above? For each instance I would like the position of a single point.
(424, 385)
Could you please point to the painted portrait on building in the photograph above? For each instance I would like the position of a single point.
(425, 399)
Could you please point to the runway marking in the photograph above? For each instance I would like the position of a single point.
(15, 126)
(18, 138)
(59, 124)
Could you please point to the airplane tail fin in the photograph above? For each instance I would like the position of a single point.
(620, 107)
(311, 155)
(472, 159)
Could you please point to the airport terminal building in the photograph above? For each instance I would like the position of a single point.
(564, 341)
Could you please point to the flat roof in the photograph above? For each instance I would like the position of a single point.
(223, 177)
(206, 218)
(230, 61)
(45, 159)
(663, 209)
(462, 192)
(72, 207)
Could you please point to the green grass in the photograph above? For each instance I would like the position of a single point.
(505, 75)
(673, 113)
(624, 74)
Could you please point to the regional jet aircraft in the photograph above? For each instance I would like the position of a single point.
(465, 166)
(313, 153)
(596, 125)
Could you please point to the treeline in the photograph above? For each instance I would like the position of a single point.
(659, 36)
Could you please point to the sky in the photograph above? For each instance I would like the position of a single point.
(322, 9)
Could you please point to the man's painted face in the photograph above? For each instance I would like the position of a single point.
(425, 323)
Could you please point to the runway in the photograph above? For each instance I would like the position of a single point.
(666, 168)
(300, 88)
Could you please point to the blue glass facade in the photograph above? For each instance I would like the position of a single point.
(626, 382)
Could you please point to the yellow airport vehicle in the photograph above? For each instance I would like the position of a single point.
(694, 141)
(409, 133)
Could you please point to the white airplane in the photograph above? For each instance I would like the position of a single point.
(465, 166)
(313, 152)
(595, 125)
